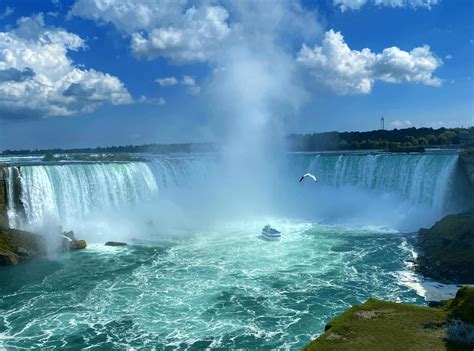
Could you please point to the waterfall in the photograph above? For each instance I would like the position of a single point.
(13, 189)
(422, 179)
(70, 193)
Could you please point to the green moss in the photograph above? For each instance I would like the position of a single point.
(379, 325)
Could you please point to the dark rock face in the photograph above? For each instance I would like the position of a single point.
(69, 242)
(8, 258)
(466, 159)
(3, 199)
(115, 243)
(18, 245)
(447, 249)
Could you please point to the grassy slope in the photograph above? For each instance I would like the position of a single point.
(379, 325)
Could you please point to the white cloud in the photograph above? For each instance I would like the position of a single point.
(168, 81)
(401, 124)
(162, 28)
(187, 81)
(345, 71)
(193, 88)
(38, 79)
(448, 57)
(8, 12)
(357, 4)
(152, 101)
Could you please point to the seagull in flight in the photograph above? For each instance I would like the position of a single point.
(308, 175)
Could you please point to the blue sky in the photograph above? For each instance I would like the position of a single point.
(81, 73)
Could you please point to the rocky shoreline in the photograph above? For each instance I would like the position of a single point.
(446, 253)
(18, 245)
(446, 250)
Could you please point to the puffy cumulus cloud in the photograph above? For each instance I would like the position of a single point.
(357, 4)
(345, 71)
(38, 79)
(162, 28)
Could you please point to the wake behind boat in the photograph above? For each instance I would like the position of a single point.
(270, 233)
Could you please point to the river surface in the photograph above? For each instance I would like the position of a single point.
(187, 282)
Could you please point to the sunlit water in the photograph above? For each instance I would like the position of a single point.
(225, 288)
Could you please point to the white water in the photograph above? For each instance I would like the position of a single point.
(420, 179)
(70, 194)
(13, 216)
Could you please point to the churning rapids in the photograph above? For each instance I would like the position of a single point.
(196, 273)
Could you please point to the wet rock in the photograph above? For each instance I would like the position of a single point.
(8, 258)
(69, 234)
(115, 243)
(79, 244)
(18, 245)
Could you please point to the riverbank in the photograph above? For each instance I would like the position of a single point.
(446, 253)
(379, 325)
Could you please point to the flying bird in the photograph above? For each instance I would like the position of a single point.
(308, 175)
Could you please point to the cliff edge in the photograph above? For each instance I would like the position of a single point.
(446, 250)
(382, 325)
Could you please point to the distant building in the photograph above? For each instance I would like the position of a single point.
(382, 123)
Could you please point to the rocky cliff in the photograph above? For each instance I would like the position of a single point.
(18, 245)
(3, 199)
(446, 250)
(466, 159)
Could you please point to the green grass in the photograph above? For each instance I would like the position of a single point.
(462, 306)
(380, 325)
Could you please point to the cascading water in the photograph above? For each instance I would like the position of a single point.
(68, 193)
(14, 218)
(219, 286)
(420, 179)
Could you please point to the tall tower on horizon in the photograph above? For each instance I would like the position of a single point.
(382, 123)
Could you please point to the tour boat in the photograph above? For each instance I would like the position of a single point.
(270, 234)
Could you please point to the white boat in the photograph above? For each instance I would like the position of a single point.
(270, 234)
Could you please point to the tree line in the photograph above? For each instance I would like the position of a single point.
(383, 139)
(396, 139)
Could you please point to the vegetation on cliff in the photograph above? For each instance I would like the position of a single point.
(382, 325)
(447, 249)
